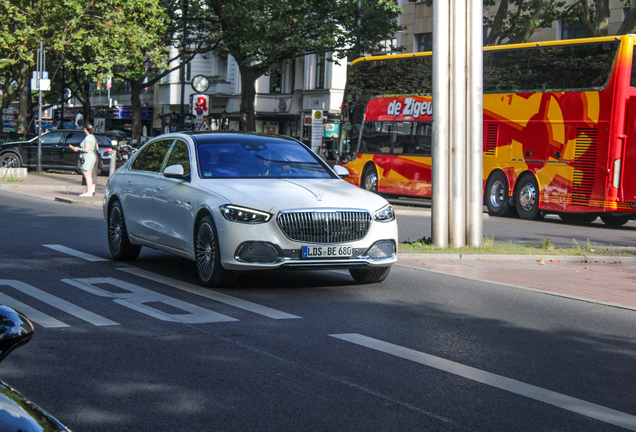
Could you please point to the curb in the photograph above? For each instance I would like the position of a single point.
(525, 258)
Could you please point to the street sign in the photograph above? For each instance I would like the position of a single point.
(317, 129)
(205, 125)
(201, 105)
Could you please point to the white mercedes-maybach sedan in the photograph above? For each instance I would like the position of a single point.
(236, 201)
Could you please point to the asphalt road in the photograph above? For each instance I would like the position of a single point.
(151, 350)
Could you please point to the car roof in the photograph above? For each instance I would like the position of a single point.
(237, 137)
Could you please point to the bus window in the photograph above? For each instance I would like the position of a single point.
(423, 139)
(591, 65)
(505, 71)
(548, 69)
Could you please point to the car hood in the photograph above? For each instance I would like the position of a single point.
(273, 195)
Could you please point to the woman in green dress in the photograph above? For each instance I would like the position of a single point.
(88, 147)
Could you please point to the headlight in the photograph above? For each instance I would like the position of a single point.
(385, 214)
(242, 214)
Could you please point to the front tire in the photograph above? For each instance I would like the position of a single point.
(369, 276)
(208, 257)
(527, 197)
(370, 179)
(10, 160)
(120, 247)
(496, 194)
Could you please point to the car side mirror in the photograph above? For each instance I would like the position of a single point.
(176, 172)
(15, 330)
(341, 171)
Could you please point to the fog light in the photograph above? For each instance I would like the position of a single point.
(255, 252)
(382, 249)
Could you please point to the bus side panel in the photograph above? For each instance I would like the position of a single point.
(628, 171)
(403, 175)
(555, 136)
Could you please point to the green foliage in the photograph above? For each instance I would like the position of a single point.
(263, 33)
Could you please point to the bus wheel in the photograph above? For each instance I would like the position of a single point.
(613, 220)
(370, 179)
(496, 194)
(580, 218)
(527, 197)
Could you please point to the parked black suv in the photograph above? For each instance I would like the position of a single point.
(55, 151)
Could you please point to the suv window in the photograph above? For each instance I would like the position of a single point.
(151, 157)
(75, 138)
(52, 138)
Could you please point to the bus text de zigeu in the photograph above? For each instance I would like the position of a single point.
(559, 128)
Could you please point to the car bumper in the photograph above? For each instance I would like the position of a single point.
(264, 246)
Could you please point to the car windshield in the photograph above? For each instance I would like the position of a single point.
(259, 160)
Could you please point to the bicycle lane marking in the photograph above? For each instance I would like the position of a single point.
(212, 295)
(559, 400)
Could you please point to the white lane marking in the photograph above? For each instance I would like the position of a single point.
(74, 252)
(213, 295)
(58, 303)
(33, 314)
(568, 403)
(138, 299)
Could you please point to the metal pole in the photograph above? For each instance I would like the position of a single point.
(113, 163)
(441, 49)
(358, 26)
(475, 99)
(183, 64)
(40, 67)
(61, 126)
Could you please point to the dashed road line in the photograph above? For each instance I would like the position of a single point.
(75, 253)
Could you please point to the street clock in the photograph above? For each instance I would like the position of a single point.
(200, 83)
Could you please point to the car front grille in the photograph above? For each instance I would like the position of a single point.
(325, 226)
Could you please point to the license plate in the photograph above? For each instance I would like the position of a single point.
(326, 251)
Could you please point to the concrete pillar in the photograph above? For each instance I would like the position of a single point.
(457, 123)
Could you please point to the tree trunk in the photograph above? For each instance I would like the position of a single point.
(495, 31)
(248, 96)
(135, 102)
(601, 21)
(25, 97)
(86, 102)
(629, 23)
(534, 23)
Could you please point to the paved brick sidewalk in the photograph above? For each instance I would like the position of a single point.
(609, 280)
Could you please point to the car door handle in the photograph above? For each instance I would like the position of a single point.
(130, 183)
(159, 188)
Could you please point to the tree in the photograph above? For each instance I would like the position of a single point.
(595, 14)
(515, 21)
(261, 33)
(147, 63)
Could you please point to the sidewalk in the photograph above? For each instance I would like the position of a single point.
(605, 280)
(63, 186)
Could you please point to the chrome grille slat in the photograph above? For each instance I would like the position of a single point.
(325, 226)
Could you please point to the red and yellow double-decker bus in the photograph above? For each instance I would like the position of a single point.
(559, 128)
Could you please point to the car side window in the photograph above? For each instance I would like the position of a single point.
(75, 138)
(52, 138)
(151, 157)
(180, 155)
